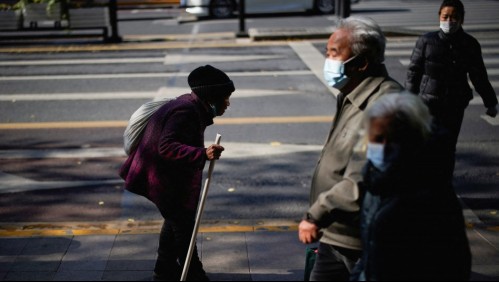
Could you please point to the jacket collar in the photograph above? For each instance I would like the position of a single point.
(204, 110)
(366, 88)
(456, 34)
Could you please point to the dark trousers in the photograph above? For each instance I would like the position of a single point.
(448, 122)
(334, 263)
(174, 241)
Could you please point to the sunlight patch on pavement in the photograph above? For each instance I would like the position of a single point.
(10, 183)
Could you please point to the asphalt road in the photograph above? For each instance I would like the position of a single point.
(68, 172)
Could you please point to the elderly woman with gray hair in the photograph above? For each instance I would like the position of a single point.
(412, 227)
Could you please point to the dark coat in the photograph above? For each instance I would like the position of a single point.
(167, 165)
(412, 227)
(439, 69)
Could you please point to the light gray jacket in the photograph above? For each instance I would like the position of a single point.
(335, 194)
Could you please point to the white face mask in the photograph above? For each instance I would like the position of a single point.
(449, 27)
(376, 154)
(334, 73)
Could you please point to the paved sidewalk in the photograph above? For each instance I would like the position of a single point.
(231, 256)
(256, 254)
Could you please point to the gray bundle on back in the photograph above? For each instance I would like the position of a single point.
(138, 122)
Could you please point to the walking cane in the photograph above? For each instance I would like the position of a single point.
(198, 215)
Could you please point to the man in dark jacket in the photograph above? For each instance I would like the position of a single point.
(440, 65)
(167, 166)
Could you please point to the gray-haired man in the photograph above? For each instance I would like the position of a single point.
(354, 65)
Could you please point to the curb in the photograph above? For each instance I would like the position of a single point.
(132, 227)
(262, 34)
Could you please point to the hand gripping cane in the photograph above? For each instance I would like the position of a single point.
(198, 215)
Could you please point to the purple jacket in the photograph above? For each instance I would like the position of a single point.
(167, 165)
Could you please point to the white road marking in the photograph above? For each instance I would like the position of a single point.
(148, 75)
(477, 100)
(408, 52)
(487, 61)
(82, 62)
(314, 61)
(167, 60)
(200, 59)
(163, 92)
(492, 121)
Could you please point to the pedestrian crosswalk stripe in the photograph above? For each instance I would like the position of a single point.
(164, 92)
(148, 75)
(408, 52)
(491, 120)
(487, 61)
(168, 60)
(412, 43)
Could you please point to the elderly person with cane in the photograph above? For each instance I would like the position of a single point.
(167, 166)
(412, 224)
(354, 65)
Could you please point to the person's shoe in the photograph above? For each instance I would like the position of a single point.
(197, 275)
(174, 275)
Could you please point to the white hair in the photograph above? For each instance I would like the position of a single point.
(407, 113)
(366, 38)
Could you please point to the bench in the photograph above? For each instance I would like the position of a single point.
(90, 18)
(37, 15)
(9, 20)
(39, 23)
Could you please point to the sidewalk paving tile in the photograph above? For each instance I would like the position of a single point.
(230, 256)
(483, 253)
(278, 275)
(490, 235)
(275, 250)
(229, 276)
(40, 255)
(275, 256)
(79, 275)
(134, 253)
(6, 263)
(88, 253)
(127, 276)
(30, 276)
(12, 246)
(485, 273)
(225, 252)
(224, 256)
(42, 263)
(40, 246)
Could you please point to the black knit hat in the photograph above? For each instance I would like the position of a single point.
(209, 82)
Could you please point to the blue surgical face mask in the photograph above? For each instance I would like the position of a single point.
(334, 73)
(449, 27)
(376, 154)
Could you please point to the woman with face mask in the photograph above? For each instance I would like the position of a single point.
(412, 227)
(441, 64)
